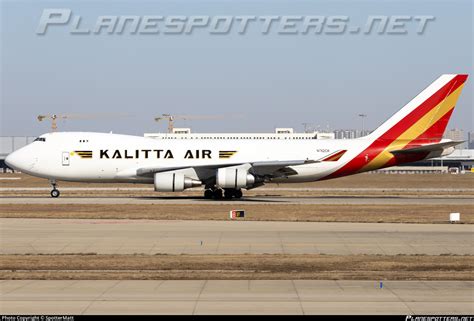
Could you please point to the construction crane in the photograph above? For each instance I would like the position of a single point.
(54, 117)
(172, 118)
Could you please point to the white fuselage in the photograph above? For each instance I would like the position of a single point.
(116, 158)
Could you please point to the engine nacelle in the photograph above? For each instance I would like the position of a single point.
(174, 182)
(234, 177)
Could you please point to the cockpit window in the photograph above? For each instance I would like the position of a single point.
(40, 139)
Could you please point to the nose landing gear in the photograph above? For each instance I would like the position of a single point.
(55, 192)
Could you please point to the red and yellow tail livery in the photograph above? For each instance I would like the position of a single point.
(421, 122)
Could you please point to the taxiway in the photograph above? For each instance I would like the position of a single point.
(107, 236)
(235, 297)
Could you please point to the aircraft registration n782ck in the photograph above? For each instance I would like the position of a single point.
(225, 167)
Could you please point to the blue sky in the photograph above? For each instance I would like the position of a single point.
(268, 80)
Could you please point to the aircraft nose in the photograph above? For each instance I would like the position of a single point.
(18, 160)
(12, 160)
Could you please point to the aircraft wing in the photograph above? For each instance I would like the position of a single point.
(263, 168)
(427, 148)
(278, 168)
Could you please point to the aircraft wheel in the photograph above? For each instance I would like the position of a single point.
(55, 193)
(208, 194)
(217, 194)
(228, 193)
(238, 193)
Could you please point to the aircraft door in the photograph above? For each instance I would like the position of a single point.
(65, 158)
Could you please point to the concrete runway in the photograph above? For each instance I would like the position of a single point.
(235, 297)
(52, 236)
(182, 200)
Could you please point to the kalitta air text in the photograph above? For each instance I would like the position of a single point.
(152, 153)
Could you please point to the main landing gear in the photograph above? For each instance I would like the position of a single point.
(231, 192)
(227, 193)
(55, 192)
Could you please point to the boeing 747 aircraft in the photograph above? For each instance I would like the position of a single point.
(227, 166)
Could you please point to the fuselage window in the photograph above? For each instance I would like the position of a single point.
(40, 139)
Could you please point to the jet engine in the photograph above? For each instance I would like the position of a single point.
(234, 177)
(174, 182)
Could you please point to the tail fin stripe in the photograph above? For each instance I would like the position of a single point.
(432, 134)
(420, 127)
(408, 124)
(434, 100)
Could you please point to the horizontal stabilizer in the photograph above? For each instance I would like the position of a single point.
(427, 148)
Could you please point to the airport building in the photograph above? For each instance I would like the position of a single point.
(456, 134)
(350, 133)
(279, 134)
(460, 158)
(470, 140)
